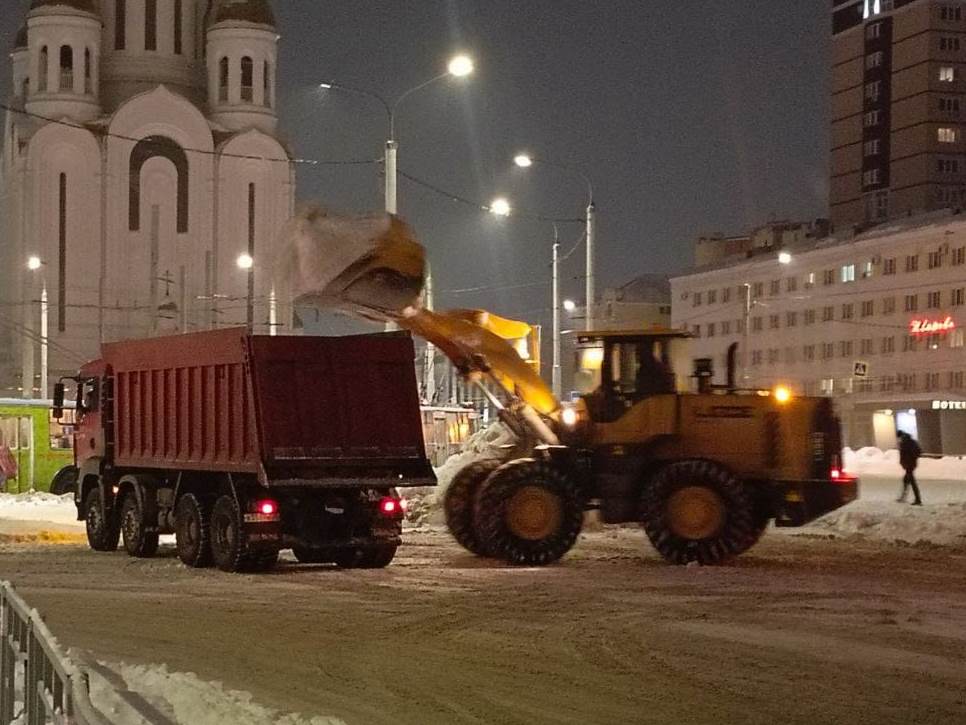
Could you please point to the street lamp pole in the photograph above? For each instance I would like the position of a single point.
(525, 161)
(34, 264)
(458, 67)
(555, 375)
(246, 263)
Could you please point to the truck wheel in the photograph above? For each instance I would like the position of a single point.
(377, 557)
(137, 540)
(458, 503)
(228, 540)
(528, 512)
(103, 532)
(64, 481)
(192, 531)
(698, 511)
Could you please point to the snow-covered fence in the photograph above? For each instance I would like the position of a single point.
(38, 682)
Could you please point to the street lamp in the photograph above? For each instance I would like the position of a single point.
(784, 258)
(525, 161)
(459, 66)
(500, 207)
(569, 305)
(34, 264)
(246, 263)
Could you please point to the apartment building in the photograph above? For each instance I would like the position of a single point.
(877, 321)
(898, 108)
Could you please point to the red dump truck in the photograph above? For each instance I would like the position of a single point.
(244, 445)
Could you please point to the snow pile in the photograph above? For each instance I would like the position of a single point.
(189, 700)
(941, 524)
(875, 462)
(490, 442)
(38, 506)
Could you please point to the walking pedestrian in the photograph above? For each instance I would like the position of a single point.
(909, 452)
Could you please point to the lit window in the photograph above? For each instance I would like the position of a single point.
(946, 134)
(872, 118)
(872, 148)
(873, 90)
(947, 74)
(874, 60)
(848, 273)
(871, 177)
(873, 31)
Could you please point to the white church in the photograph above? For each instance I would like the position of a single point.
(140, 165)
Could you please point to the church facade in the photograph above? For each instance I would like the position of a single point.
(140, 166)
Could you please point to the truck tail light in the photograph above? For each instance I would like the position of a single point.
(392, 507)
(266, 507)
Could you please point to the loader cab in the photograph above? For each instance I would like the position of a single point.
(616, 370)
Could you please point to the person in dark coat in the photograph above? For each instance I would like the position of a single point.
(909, 452)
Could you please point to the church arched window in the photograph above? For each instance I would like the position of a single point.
(267, 84)
(150, 24)
(247, 80)
(88, 82)
(178, 19)
(223, 80)
(43, 70)
(66, 68)
(120, 25)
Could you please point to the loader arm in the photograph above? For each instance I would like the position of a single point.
(373, 267)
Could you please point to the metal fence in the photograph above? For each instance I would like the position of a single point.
(38, 683)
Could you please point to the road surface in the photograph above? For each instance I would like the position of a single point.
(800, 630)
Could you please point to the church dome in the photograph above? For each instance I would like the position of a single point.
(251, 11)
(85, 5)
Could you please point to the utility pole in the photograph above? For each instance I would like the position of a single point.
(590, 291)
(744, 343)
(555, 375)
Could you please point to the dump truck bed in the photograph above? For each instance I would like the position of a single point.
(286, 408)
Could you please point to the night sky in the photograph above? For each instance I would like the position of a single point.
(689, 117)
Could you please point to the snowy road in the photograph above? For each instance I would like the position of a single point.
(800, 630)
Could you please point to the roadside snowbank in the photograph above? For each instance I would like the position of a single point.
(38, 506)
(940, 524)
(875, 462)
(189, 700)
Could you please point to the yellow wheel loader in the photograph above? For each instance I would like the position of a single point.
(703, 468)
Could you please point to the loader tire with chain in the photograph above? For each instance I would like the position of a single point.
(698, 511)
(528, 512)
(458, 503)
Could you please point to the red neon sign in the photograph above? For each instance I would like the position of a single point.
(928, 327)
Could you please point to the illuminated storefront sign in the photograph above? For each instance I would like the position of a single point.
(928, 327)
(949, 405)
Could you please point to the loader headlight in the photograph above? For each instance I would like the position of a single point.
(569, 417)
(782, 394)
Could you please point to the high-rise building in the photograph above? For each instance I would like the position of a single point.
(898, 109)
(140, 162)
